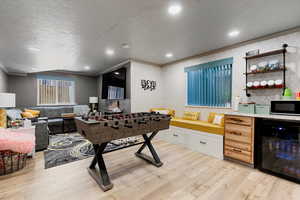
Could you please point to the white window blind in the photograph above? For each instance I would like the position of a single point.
(115, 92)
(53, 91)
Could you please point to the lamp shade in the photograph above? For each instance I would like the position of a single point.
(7, 100)
(93, 100)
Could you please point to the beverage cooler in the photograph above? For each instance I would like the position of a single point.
(278, 148)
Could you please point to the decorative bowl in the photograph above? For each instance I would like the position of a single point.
(279, 83)
(274, 64)
(256, 84)
(262, 66)
(271, 83)
(253, 68)
(249, 84)
(263, 83)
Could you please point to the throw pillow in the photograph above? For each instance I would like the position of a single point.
(2, 118)
(14, 114)
(27, 115)
(211, 117)
(35, 113)
(218, 119)
(191, 115)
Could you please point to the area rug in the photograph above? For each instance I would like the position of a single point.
(66, 148)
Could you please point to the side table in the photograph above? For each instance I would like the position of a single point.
(68, 119)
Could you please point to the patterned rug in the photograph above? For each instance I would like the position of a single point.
(66, 148)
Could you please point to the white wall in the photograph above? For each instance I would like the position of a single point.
(142, 100)
(3, 81)
(174, 85)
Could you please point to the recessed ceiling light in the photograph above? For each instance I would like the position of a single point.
(33, 49)
(116, 73)
(169, 55)
(234, 33)
(125, 46)
(174, 9)
(110, 52)
(87, 67)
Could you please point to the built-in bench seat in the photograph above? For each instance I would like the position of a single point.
(198, 125)
(202, 136)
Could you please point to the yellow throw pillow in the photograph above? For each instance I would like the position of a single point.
(27, 115)
(2, 118)
(35, 113)
(211, 117)
(191, 115)
(218, 119)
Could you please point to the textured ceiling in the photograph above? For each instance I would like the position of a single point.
(72, 34)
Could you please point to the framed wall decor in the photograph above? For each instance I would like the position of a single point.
(148, 84)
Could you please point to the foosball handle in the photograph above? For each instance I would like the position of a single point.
(115, 126)
(128, 125)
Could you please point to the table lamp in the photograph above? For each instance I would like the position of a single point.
(7, 100)
(93, 102)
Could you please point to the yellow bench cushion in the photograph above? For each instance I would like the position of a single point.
(198, 125)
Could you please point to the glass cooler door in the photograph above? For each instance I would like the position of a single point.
(280, 149)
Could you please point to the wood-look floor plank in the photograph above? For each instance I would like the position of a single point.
(185, 175)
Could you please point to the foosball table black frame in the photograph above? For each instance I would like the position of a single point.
(101, 176)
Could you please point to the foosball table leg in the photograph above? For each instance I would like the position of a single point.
(101, 176)
(155, 158)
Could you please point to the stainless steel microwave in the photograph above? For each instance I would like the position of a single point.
(291, 107)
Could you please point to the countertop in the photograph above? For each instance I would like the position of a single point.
(269, 116)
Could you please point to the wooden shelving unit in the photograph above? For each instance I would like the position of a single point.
(264, 72)
(269, 53)
(265, 88)
(262, 55)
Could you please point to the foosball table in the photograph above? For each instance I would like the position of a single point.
(102, 130)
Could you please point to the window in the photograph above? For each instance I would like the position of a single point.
(115, 92)
(209, 84)
(55, 91)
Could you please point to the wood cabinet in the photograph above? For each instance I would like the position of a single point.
(239, 138)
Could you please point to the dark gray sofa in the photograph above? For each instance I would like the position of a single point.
(55, 120)
(49, 121)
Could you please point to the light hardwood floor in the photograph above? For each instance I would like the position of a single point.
(184, 175)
